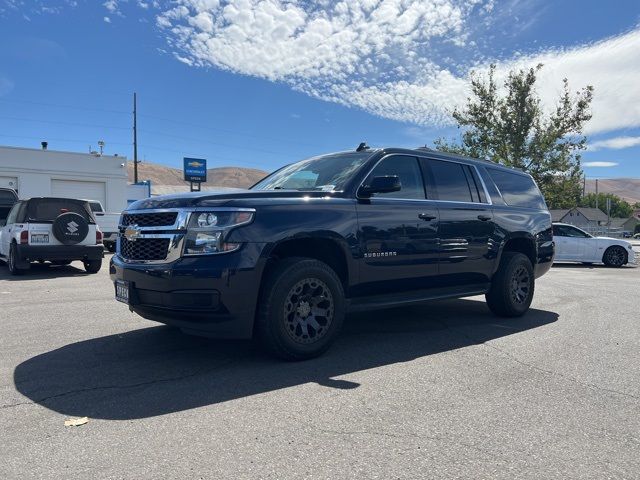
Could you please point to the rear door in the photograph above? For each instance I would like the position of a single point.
(398, 231)
(7, 229)
(466, 221)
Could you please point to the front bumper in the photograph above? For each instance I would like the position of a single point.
(213, 296)
(31, 253)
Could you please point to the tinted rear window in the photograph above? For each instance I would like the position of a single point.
(517, 190)
(450, 181)
(46, 210)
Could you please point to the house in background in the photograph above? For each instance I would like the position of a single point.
(595, 221)
(583, 217)
(624, 224)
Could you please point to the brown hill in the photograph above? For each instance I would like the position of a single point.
(626, 188)
(229, 177)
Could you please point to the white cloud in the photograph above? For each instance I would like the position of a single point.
(407, 60)
(599, 164)
(616, 143)
(107, 19)
(111, 5)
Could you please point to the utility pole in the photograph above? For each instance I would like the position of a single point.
(596, 193)
(135, 139)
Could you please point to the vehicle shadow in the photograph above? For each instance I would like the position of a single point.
(158, 370)
(42, 271)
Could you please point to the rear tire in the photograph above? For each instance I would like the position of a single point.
(301, 309)
(12, 261)
(614, 256)
(93, 266)
(512, 286)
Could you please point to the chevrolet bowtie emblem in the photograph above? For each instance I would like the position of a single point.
(132, 233)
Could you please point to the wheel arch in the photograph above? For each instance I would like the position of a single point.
(521, 242)
(327, 247)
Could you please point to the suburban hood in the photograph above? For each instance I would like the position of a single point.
(214, 198)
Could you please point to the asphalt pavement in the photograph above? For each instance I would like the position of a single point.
(442, 390)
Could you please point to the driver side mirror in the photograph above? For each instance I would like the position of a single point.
(385, 184)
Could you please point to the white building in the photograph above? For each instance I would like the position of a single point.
(43, 173)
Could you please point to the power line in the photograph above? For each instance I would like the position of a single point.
(57, 122)
(228, 131)
(237, 147)
(61, 139)
(58, 105)
(179, 122)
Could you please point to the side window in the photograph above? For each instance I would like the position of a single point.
(517, 189)
(408, 170)
(450, 181)
(560, 231)
(576, 232)
(13, 213)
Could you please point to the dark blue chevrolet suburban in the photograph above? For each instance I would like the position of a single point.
(366, 229)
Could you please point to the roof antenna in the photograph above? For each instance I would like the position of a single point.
(362, 146)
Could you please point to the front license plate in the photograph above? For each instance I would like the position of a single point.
(122, 291)
(39, 238)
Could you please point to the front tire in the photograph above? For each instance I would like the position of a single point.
(512, 287)
(93, 266)
(301, 309)
(614, 256)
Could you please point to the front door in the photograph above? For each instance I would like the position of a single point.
(398, 232)
(466, 222)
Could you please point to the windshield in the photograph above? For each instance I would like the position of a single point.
(327, 173)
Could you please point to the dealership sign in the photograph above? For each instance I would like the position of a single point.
(195, 170)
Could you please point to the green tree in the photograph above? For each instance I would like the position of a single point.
(619, 208)
(512, 129)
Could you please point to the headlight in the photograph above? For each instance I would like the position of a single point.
(206, 231)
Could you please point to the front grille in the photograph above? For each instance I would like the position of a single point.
(152, 219)
(144, 248)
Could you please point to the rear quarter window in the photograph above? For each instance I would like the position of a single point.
(517, 190)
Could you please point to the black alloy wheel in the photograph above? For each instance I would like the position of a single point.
(615, 256)
(308, 310)
(512, 286)
(301, 308)
(520, 285)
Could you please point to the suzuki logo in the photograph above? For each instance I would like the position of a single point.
(132, 233)
(72, 227)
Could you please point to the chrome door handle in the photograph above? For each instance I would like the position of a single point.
(427, 217)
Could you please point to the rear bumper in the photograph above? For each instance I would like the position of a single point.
(212, 296)
(31, 253)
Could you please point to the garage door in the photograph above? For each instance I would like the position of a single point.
(9, 182)
(79, 189)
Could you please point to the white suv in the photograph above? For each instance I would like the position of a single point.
(59, 230)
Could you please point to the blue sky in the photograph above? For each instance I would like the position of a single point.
(260, 83)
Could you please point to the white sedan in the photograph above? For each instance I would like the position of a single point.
(575, 245)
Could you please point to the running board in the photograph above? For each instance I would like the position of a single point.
(417, 296)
